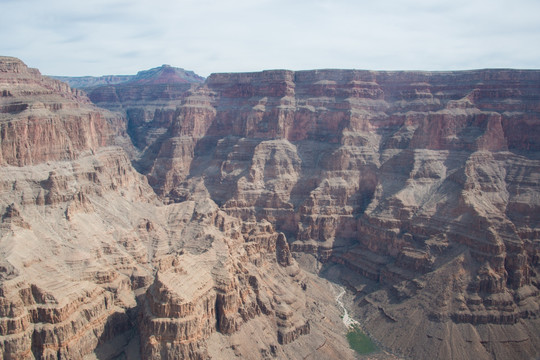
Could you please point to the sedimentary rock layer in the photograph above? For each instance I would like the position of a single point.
(394, 175)
(93, 264)
(417, 190)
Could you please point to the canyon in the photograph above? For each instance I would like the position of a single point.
(164, 215)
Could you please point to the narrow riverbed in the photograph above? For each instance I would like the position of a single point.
(358, 341)
(347, 319)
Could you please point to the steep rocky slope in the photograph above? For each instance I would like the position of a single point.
(418, 190)
(148, 101)
(94, 265)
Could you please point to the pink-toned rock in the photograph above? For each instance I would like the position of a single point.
(417, 190)
(392, 174)
(44, 120)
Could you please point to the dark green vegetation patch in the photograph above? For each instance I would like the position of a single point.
(360, 342)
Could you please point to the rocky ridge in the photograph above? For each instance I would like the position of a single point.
(417, 190)
(424, 185)
(164, 74)
(94, 265)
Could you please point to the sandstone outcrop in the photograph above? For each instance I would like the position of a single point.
(61, 295)
(393, 175)
(94, 265)
(43, 119)
(149, 101)
(417, 190)
(200, 290)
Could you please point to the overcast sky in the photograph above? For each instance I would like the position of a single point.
(101, 37)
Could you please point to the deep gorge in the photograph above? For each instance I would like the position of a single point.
(200, 212)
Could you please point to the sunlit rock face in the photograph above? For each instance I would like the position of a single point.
(424, 186)
(174, 226)
(94, 265)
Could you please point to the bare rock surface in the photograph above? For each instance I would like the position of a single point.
(94, 265)
(399, 177)
(164, 74)
(148, 101)
(418, 191)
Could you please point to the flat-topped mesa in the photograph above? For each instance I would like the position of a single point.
(271, 83)
(354, 116)
(321, 104)
(418, 78)
(273, 104)
(358, 109)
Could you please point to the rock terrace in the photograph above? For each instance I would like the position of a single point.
(193, 211)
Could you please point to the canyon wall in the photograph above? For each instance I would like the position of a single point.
(172, 224)
(94, 265)
(421, 188)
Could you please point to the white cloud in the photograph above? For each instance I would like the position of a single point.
(122, 37)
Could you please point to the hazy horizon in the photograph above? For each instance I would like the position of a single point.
(319, 69)
(120, 37)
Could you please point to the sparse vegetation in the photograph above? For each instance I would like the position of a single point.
(360, 342)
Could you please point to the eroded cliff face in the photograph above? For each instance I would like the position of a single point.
(149, 102)
(419, 191)
(94, 265)
(421, 187)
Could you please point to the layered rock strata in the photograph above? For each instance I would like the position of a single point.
(148, 101)
(201, 290)
(394, 175)
(66, 284)
(417, 190)
(93, 265)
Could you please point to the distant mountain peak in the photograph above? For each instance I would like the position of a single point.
(164, 74)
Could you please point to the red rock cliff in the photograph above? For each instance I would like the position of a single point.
(394, 175)
(43, 119)
(417, 190)
(94, 265)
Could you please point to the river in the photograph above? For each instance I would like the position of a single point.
(347, 319)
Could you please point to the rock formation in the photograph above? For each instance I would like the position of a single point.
(149, 102)
(421, 187)
(164, 74)
(174, 226)
(94, 265)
